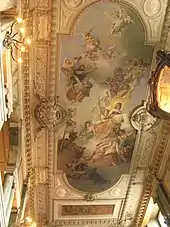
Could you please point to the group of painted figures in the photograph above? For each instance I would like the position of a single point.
(79, 70)
(112, 143)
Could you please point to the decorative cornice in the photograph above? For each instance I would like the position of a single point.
(52, 91)
(95, 222)
(156, 163)
(54, 7)
(152, 174)
(166, 27)
(27, 15)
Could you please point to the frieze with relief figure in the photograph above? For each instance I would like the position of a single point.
(104, 75)
(69, 210)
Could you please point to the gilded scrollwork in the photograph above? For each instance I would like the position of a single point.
(141, 119)
(43, 3)
(43, 31)
(41, 71)
(89, 197)
(48, 110)
(41, 175)
(50, 114)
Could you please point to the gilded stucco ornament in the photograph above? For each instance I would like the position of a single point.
(73, 3)
(89, 197)
(62, 192)
(49, 113)
(27, 103)
(141, 119)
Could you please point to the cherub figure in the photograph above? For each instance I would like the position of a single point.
(119, 20)
(91, 43)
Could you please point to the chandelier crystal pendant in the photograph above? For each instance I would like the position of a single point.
(16, 40)
(159, 100)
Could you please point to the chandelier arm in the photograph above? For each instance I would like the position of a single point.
(16, 46)
(14, 35)
(11, 30)
(17, 41)
(13, 55)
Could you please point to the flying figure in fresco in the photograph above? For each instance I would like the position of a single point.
(117, 148)
(124, 79)
(119, 20)
(78, 85)
(92, 46)
(91, 42)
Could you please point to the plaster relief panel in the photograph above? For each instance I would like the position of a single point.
(78, 210)
(131, 203)
(62, 189)
(41, 148)
(69, 210)
(41, 198)
(66, 18)
(147, 148)
(40, 4)
(41, 70)
(41, 175)
(43, 22)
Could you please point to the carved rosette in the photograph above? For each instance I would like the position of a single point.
(50, 114)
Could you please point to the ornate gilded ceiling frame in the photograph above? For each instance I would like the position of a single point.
(27, 108)
(28, 19)
(52, 92)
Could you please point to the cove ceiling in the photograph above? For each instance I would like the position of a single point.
(91, 138)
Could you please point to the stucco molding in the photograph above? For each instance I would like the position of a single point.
(151, 14)
(153, 172)
(55, 15)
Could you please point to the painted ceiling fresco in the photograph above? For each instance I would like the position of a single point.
(104, 74)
